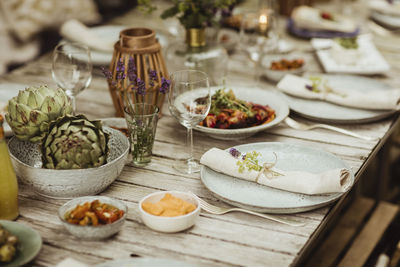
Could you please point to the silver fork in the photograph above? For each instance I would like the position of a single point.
(305, 127)
(219, 210)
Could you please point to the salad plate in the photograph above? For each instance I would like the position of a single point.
(256, 197)
(28, 246)
(365, 59)
(272, 98)
(112, 32)
(331, 113)
(8, 91)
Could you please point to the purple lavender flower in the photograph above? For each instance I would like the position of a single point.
(131, 70)
(120, 70)
(234, 152)
(153, 76)
(309, 87)
(165, 83)
(141, 87)
(107, 73)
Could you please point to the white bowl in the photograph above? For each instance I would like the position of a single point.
(273, 98)
(89, 232)
(277, 75)
(169, 224)
(27, 162)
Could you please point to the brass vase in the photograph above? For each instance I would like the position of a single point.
(141, 45)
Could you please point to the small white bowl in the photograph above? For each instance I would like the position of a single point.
(169, 224)
(277, 75)
(93, 232)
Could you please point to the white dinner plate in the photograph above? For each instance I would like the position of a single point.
(389, 21)
(8, 91)
(290, 157)
(145, 262)
(371, 61)
(112, 32)
(274, 99)
(332, 113)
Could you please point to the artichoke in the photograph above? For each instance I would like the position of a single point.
(31, 111)
(74, 142)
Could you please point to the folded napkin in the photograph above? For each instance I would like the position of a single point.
(377, 100)
(311, 18)
(76, 31)
(331, 181)
(384, 7)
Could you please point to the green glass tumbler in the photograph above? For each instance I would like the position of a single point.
(141, 119)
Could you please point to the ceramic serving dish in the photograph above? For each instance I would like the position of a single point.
(27, 162)
(92, 232)
(277, 75)
(169, 224)
(272, 98)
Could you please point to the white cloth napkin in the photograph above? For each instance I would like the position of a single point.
(331, 181)
(377, 100)
(74, 30)
(385, 7)
(310, 18)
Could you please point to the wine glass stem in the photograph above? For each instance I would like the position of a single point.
(190, 144)
(73, 102)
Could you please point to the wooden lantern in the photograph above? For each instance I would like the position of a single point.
(141, 45)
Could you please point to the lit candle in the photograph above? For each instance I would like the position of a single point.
(263, 23)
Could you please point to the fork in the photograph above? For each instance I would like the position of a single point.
(219, 210)
(305, 127)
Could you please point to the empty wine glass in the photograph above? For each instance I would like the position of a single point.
(189, 101)
(72, 68)
(258, 35)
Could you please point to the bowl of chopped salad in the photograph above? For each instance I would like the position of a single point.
(240, 112)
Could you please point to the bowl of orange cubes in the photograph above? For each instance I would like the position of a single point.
(93, 217)
(169, 211)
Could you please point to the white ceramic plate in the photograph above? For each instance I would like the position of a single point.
(112, 32)
(272, 98)
(262, 198)
(145, 262)
(8, 91)
(370, 61)
(331, 113)
(386, 20)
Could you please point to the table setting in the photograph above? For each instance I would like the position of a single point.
(192, 165)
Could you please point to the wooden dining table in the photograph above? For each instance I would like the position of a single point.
(233, 239)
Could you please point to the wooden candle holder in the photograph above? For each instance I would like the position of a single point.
(141, 45)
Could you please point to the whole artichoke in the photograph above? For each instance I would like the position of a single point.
(74, 142)
(31, 111)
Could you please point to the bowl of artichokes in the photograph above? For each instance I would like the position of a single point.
(58, 154)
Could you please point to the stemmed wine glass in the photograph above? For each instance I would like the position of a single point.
(189, 101)
(72, 68)
(258, 34)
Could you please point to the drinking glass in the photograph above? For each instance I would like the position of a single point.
(189, 101)
(72, 68)
(141, 119)
(258, 35)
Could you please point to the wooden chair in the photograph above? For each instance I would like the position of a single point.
(356, 235)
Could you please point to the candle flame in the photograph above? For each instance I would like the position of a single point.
(263, 19)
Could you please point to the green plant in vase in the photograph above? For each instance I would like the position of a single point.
(141, 117)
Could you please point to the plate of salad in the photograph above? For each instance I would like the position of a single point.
(240, 112)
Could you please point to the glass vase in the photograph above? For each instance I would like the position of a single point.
(141, 119)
